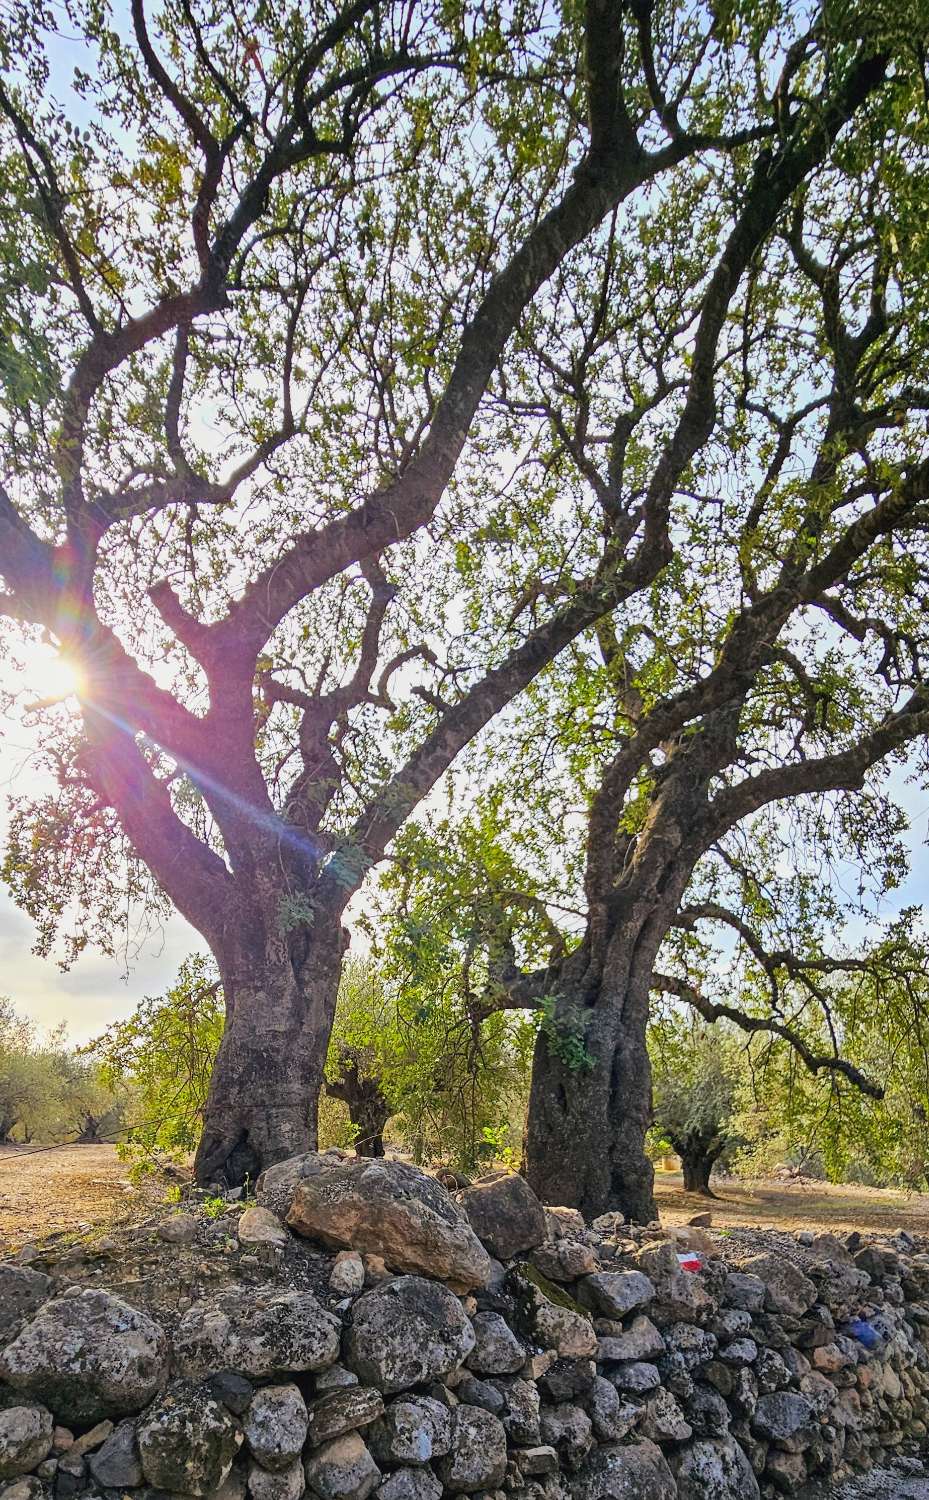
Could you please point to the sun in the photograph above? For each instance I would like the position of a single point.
(43, 675)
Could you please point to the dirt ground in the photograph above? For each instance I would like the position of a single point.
(71, 1190)
(74, 1190)
(795, 1205)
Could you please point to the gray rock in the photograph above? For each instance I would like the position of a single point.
(542, 1459)
(22, 1293)
(232, 1390)
(641, 1340)
(707, 1412)
(30, 1487)
(567, 1379)
(342, 1470)
(612, 1418)
(259, 1228)
(116, 1465)
(613, 1294)
(276, 1425)
(552, 1320)
(257, 1333)
(663, 1421)
(390, 1209)
(740, 1352)
(719, 1468)
(787, 1290)
(347, 1277)
(88, 1355)
(180, 1229)
(25, 1438)
(637, 1377)
(283, 1484)
(565, 1260)
(477, 1460)
(334, 1378)
(635, 1471)
(781, 1415)
(694, 1345)
(497, 1350)
(187, 1440)
(407, 1332)
(567, 1429)
(521, 1411)
(481, 1393)
(505, 1214)
(410, 1484)
(743, 1290)
(411, 1431)
(343, 1410)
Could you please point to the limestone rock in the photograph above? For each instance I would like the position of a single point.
(549, 1316)
(787, 1290)
(744, 1290)
(347, 1277)
(276, 1425)
(259, 1227)
(477, 1460)
(25, 1438)
(613, 1294)
(392, 1210)
(717, 1467)
(567, 1428)
(637, 1471)
(565, 1259)
(611, 1416)
(636, 1378)
(520, 1414)
(22, 1293)
(781, 1415)
(116, 1465)
(343, 1410)
(505, 1214)
(641, 1340)
(259, 1333)
(412, 1431)
(406, 1332)
(342, 1470)
(87, 1355)
(180, 1229)
(410, 1484)
(187, 1440)
(283, 1484)
(663, 1421)
(232, 1390)
(497, 1350)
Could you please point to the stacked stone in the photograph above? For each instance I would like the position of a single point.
(481, 1346)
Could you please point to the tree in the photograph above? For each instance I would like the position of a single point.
(695, 1075)
(266, 323)
(740, 715)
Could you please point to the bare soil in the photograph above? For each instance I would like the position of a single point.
(71, 1190)
(795, 1205)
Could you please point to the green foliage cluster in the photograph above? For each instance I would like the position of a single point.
(48, 1091)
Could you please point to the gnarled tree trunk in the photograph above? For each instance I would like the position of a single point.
(268, 1072)
(585, 1138)
(368, 1109)
(697, 1161)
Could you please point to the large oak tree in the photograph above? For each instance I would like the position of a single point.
(276, 281)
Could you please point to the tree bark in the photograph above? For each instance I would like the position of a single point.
(585, 1138)
(697, 1166)
(368, 1109)
(265, 1085)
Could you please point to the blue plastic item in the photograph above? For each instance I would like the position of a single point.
(864, 1332)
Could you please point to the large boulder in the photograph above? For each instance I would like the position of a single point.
(406, 1332)
(384, 1208)
(25, 1438)
(22, 1293)
(187, 1440)
(637, 1471)
(549, 1316)
(505, 1214)
(88, 1355)
(717, 1467)
(258, 1333)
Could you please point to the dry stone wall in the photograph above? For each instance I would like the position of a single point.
(479, 1346)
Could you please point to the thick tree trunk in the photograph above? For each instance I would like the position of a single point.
(269, 1069)
(697, 1166)
(585, 1137)
(368, 1109)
